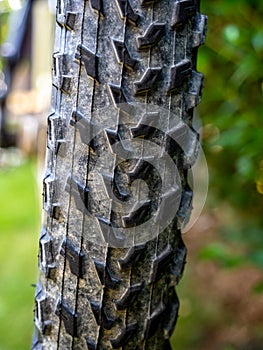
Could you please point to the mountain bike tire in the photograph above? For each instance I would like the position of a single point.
(99, 293)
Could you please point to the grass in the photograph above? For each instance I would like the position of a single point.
(19, 226)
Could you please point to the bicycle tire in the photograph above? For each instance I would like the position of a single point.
(113, 53)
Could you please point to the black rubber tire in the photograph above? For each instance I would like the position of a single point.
(92, 295)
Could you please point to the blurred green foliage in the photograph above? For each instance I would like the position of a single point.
(4, 12)
(19, 222)
(232, 114)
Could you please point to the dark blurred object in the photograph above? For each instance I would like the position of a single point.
(17, 46)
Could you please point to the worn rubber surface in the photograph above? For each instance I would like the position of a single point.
(108, 52)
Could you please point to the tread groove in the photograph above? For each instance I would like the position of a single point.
(152, 35)
(118, 98)
(128, 296)
(79, 192)
(106, 276)
(179, 73)
(124, 336)
(83, 125)
(153, 321)
(74, 257)
(123, 55)
(160, 263)
(182, 11)
(126, 10)
(68, 20)
(101, 316)
(69, 318)
(132, 255)
(148, 80)
(89, 59)
(97, 5)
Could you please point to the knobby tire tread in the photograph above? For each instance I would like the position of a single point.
(93, 296)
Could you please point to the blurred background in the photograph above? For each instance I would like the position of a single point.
(221, 292)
